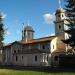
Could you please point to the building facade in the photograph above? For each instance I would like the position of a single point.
(38, 52)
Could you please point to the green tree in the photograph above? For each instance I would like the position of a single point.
(70, 9)
(1, 31)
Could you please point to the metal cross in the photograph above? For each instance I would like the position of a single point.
(60, 3)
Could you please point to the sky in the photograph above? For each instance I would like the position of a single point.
(38, 13)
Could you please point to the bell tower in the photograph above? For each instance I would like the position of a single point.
(61, 24)
(27, 33)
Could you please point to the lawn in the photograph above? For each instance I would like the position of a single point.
(34, 72)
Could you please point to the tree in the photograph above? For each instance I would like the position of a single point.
(70, 9)
(1, 31)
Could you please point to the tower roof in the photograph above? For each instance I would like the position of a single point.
(60, 10)
(28, 28)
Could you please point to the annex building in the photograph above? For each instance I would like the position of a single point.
(43, 51)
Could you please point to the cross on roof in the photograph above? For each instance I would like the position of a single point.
(60, 3)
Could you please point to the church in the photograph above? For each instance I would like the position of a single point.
(43, 51)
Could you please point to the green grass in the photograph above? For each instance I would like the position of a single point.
(31, 72)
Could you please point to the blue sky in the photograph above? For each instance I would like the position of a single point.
(39, 13)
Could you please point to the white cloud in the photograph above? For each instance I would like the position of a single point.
(52, 34)
(7, 33)
(16, 20)
(49, 18)
(3, 15)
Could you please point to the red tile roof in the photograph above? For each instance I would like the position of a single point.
(32, 41)
(38, 40)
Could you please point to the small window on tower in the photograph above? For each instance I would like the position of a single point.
(62, 15)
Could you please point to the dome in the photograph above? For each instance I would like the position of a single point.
(60, 10)
(28, 28)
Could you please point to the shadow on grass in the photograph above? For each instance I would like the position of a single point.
(41, 69)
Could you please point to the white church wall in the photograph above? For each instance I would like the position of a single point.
(30, 60)
(53, 45)
(16, 47)
(6, 56)
(57, 45)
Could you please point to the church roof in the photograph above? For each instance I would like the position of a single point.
(60, 10)
(32, 41)
(39, 40)
(28, 28)
(31, 51)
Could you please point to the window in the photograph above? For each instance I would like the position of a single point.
(22, 57)
(43, 47)
(56, 58)
(16, 58)
(14, 51)
(53, 46)
(59, 26)
(62, 15)
(35, 58)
